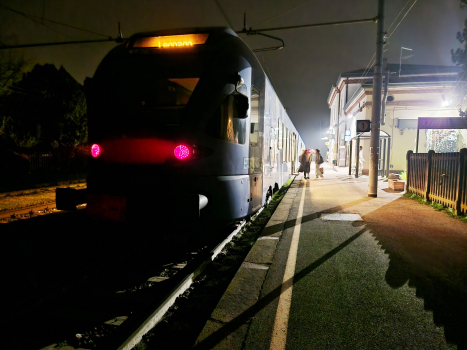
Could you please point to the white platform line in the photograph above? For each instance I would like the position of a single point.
(279, 334)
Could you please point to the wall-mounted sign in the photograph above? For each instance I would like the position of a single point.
(363, 126)
(347, 132)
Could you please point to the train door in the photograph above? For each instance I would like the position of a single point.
(256, 146)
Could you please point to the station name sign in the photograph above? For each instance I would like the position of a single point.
(171, 41)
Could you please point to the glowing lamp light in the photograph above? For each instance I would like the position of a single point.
(181, 152)
(95, 150)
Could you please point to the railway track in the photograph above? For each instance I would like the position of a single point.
(116, 305)
(28, 212)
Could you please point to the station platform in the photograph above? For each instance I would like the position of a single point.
(336, 269)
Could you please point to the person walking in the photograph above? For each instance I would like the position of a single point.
(318, 161)
(305, 163)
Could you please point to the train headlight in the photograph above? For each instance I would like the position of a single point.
(182, 152)
(95, 150)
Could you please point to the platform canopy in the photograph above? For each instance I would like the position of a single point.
(367, 135)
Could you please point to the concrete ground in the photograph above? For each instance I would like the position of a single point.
(394, 276)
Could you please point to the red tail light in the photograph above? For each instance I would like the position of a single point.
(95, 150)
(182, 152)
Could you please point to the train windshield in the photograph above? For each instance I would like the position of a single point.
(169, 93)
(149, 88)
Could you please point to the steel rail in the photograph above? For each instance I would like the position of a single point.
(156, 316)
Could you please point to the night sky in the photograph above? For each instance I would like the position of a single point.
(302, 73)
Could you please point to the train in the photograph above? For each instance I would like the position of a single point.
(184, 125)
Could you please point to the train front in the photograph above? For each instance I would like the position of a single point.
(168, 123)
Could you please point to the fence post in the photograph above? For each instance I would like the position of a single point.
(428, 173)
(407, 170)
(460, 180)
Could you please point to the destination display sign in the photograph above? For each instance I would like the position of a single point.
(171, 41)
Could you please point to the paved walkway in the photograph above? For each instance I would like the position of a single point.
(393, 278)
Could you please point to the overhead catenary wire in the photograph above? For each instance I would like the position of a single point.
(223, 13)
(402, 9)
(283, 13)
(267, 70)
(402, 19)
(30, 18)
(372, 58)
(40, 21)
(33, 18)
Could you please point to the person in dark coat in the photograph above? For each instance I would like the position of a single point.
(318, 161)
(305, 163)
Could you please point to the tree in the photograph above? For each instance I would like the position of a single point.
(11, 70)
(47, 110)
(459, 58)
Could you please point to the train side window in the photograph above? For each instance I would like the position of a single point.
(294, 146)
(256, 141)
(226, 124)
(284, 143)
(279, 136)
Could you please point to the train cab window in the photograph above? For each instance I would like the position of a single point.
(164, 94)
(226, 124)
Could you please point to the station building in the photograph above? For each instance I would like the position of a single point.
(413, 91)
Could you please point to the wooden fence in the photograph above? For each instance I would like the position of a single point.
(40, 162)
(439, 177)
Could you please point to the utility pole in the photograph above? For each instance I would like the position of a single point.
(376, 112)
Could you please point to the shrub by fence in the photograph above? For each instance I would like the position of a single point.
(439, 177)
(40, 162)
(71, 159)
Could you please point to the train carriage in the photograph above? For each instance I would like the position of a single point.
(184, 124)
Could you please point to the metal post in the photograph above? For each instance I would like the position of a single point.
(350, 158)
(376, 112)
(389, 157)
(358, 157)
(408, 170)
(338, 160)
(418, 133)
(384, 157)
(460, 182)
(386, 87)
(428, 174)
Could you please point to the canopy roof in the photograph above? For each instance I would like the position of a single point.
(367, 135)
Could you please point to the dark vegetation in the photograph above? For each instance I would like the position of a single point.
(459, 58)
(43, 125)
(436, 206)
